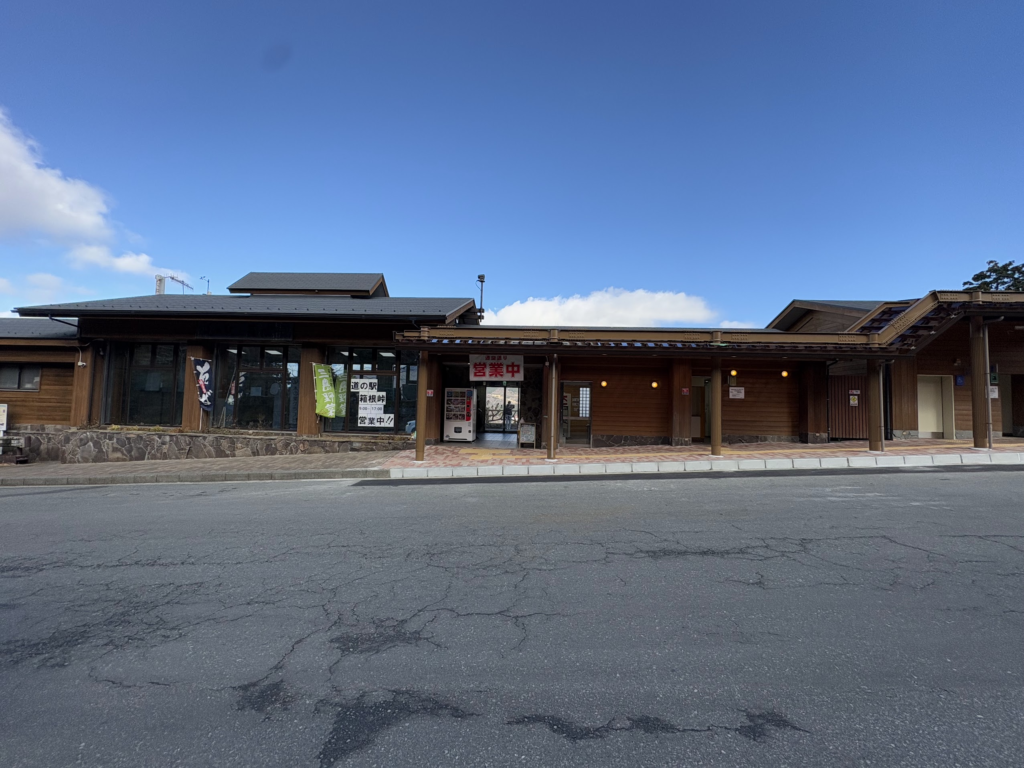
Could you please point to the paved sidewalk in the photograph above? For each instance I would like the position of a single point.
(292, 467)
(465, 461)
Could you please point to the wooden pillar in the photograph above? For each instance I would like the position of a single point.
(813, 401)
(874, 395)
(1017, 403)
(554, 407)
(682, 375)
(83, 386)
(716, 406)
(193, 418)
(308, 423)
(980, 422)
(421, 405)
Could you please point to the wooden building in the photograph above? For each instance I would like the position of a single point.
(822, 370)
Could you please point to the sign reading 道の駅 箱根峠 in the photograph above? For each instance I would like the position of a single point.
(495, 367)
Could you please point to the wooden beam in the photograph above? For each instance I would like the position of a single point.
(716, 406)
(421, 405)
(682, 374)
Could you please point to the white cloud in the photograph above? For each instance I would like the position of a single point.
(101, 256)
(610, 307)
(6, 286)
(44, 288)
(736, 324)
(36, 200)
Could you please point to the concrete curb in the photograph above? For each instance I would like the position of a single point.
(721, 465)
(200, 477)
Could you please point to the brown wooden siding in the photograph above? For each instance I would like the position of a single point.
(848, 422)
(770, 404)
(50, 405)
(904, 395)
(628, 405)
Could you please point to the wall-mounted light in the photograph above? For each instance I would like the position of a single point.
(733, 373)
(604, 383)
(785, 374)
(654, 385)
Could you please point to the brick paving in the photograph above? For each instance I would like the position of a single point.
(448, 455)
(289, 467)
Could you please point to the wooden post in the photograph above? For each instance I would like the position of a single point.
(716, 406)
(874, 393)
(82, 383)
(979, 384)
(812, 384)
(682, 374)
(421, 405)
(307, 422)
(192, 419)
(555, 405)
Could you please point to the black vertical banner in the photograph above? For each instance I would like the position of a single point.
(204, 385)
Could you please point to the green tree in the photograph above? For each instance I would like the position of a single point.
(998, 277)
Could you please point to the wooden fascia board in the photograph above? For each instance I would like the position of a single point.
(39, 343)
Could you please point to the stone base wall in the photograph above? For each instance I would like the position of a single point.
(87, 446)
(762, 439)
(619, 441)
(814, 438)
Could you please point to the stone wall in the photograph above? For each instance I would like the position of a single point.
(85, 446)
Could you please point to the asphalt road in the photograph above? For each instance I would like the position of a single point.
(825, 620)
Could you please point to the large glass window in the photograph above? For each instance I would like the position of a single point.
(24, 377)
(146, 384)
(257, 387)
(378, 393)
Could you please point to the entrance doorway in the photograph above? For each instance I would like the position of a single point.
(935, 407)
(576, 412)
(501, 407)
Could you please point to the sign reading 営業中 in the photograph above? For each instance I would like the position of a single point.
(736, 393)
(495, 367)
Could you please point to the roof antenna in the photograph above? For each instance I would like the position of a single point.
(480, 311)
(204, 277)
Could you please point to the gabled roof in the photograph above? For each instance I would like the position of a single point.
(295, 306)
(35, 328)
(341, 283)
(797, 308)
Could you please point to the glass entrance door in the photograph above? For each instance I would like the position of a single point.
(501, 407)
(576, 412)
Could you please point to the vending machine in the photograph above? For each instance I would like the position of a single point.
(460, 415)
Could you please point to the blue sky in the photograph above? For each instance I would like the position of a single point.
(741, 153)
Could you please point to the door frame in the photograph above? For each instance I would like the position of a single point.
(948, 412)
(563, 417)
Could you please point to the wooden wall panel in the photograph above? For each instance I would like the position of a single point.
(82, 387)
(848, 422)
(682, 420)
(434, 404)
(904, 394)
(628, 405)
(962, 409)
(24, 355)
(1017, 387)
(770, 404)
(1006, 347)
(50, 405)
(813, 404)
(308, 423)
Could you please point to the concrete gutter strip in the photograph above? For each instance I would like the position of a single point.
(532, 470)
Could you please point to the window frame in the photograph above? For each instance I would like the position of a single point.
(21, 375)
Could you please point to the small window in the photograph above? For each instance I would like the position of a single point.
(23, 377)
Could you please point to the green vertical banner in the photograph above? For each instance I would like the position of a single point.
(341, 385)
(323, 385)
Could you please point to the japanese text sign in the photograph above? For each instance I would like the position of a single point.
(495, 367)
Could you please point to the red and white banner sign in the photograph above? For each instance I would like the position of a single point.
(495, 367)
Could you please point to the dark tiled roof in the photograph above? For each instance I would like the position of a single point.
(278, 306)
(35, 328)
(866, 306)
(338, 282)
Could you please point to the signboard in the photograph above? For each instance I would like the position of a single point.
(383, 420)
(993, 393)
(202, 370)
(684, 391)
(365, 384)
(495, 367)
(323, 388)
(736, 393)
(960, 380)
(3, 417)
(527, 434)
(430, 393)
(854, 391)
(854, 400)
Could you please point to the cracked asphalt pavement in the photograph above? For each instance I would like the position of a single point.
(860, 619)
